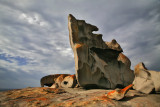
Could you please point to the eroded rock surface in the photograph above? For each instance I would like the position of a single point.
(146, 81)
(74, 97)
(119, 94)
(49, 80)
(59, 80)
(97, 63)
(69, 81)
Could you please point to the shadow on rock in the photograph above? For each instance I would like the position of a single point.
(131, 97)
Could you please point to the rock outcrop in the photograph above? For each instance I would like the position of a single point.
(146, 81)
(97, 63)
(74, 97)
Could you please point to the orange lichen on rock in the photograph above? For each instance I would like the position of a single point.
(126, 88)
(102, 98)
(119, 94)
(73, 76)
(54, 90)
(35, 99)
(78, 45)
(110, 93)
(105, 100)
(124, 59)
(70, 103)
(41, 99)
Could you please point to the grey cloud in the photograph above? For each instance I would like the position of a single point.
(20, 79)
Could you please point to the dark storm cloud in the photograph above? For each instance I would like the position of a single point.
(137, 30)
(37, 32)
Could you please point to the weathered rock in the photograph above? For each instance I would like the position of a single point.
(74, 97)
(97, 63)
(145, 80)
(59, 80)
(142, 81)
(55, 85)
(69, 82)
(49, 80)
(119, 94)
(155, 76)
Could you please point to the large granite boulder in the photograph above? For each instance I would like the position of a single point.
(146, 81)
(97, 63)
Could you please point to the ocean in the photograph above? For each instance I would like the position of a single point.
(3, 89)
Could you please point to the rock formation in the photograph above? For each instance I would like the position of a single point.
(59, 80)
(49, 80)
(145, 80)
(69, 81)
(119, 94)
(73, 97)
(97, 63)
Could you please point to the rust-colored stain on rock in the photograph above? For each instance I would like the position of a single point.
(40, 97)
(78, 45)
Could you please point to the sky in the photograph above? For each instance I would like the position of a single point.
(34, 37)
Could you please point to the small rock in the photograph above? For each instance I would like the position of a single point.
(119, 94)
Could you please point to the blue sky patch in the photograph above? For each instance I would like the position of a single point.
(20, 60)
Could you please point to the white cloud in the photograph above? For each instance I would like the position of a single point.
(35, 19)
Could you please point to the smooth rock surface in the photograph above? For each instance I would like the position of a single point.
(73, 97)
(146, 81)
(97, 63)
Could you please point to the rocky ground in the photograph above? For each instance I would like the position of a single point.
(38, 97)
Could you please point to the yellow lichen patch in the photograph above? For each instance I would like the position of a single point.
(73, 76)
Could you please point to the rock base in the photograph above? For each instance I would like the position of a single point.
(72, 97)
